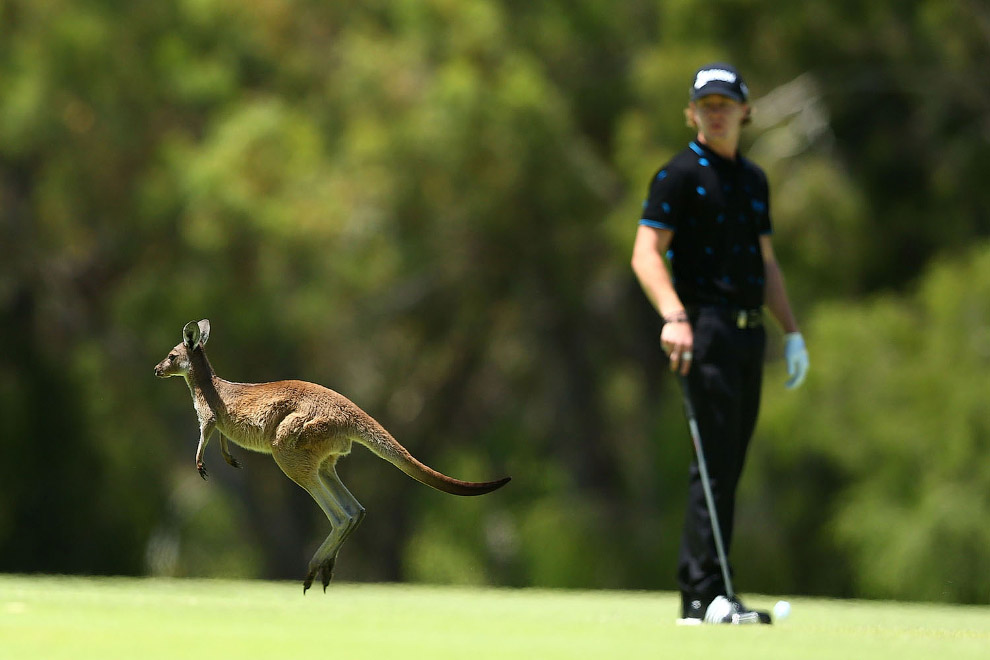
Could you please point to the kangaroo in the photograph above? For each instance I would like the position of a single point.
(306, 428)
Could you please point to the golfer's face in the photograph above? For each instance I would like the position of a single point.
(719, 117)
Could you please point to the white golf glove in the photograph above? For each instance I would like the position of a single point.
(797, 359)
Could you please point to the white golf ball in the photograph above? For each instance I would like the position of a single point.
(781, 610)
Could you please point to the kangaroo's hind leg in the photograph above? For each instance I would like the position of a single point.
(352, 508)
(325, 557)
(345, 514)
(299, 466)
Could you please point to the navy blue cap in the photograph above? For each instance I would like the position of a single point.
(719, 78)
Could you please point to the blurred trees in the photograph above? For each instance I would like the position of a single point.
(889, 441)
(428, 205)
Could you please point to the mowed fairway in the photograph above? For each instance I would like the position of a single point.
(51, 618)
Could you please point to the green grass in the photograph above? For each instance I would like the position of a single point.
(57, 617)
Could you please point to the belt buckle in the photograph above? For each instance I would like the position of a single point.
(742, 319)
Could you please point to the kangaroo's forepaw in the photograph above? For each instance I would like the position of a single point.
(202, 471)
(233, 462)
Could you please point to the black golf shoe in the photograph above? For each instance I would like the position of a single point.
(696, 611)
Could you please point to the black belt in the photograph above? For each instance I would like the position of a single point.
(744, 319)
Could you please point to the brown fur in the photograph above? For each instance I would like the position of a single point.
(305, 427)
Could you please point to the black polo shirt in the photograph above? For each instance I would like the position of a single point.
(717, 209)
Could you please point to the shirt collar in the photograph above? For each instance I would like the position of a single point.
(708, 152)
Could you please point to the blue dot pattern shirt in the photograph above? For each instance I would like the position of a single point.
(717, 209)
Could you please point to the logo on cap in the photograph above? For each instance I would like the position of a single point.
(706, 76)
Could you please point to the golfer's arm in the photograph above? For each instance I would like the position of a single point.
(651, 271)
(775, 293)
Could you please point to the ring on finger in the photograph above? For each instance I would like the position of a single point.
(687, 355)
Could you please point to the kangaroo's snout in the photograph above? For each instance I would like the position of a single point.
(175, 364)
(161, 369)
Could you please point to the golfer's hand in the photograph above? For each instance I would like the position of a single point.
(677, 340)
(797, 359)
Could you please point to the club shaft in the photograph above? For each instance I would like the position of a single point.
(706, 485)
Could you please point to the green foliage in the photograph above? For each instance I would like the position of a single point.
(201, 534)
(896, 413)
(428, 205)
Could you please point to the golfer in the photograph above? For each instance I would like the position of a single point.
(708, 212)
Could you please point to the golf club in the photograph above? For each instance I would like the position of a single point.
(706, 485)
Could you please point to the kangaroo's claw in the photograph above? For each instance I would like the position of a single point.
(202, 471)
(324, 571)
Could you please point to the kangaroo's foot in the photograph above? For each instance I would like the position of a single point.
(323, 569)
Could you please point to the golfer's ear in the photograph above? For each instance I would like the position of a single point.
(689, 116)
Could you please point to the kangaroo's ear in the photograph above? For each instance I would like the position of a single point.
(204, 329)
(191, 335)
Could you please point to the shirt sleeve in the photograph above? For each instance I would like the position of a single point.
(663, 206)
(761, 204)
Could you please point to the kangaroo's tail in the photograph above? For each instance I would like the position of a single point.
(373, 436)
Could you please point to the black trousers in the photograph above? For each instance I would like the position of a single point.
(724, 384)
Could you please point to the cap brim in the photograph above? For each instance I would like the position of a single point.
(710, 90)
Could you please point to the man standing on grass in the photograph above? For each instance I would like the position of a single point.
(708, 212)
